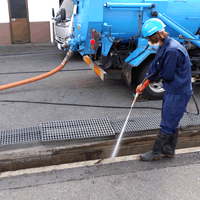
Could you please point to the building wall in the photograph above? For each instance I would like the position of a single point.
(40, 14)
(39, 18)
(5, 37)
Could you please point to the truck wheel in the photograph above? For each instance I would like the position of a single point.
(153, 90)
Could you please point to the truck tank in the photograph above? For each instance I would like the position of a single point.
(124, 18)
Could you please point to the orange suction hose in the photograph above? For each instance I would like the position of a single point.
(22, 82)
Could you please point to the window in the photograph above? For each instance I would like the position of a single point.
(18, 9)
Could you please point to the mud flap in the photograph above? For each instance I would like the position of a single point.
(126, 75)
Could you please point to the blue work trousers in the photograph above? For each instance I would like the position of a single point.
(173, 108)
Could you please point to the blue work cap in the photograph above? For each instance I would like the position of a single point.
(151, 26)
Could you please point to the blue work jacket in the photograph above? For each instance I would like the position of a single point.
(172, 63)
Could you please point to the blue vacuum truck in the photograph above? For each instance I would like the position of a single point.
(108, 35)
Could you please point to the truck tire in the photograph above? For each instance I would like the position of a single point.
(153, 91)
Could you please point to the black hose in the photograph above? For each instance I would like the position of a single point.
(91, 106)
(132, 42)
(109, 39)
(97, 106)
(193, 97)
(195, 102)
(77, 105)
(114, 41)
(31, 72)
(140, 25)
(197, 107)
(149, 77)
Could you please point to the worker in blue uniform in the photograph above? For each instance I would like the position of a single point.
(172, 65)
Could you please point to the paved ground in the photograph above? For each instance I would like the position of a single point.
(167, 179)
(68, 87)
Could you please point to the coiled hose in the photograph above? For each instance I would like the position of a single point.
(70, 53)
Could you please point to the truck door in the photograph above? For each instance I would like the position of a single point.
(19, 22)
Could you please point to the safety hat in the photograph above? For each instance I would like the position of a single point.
(151, 26)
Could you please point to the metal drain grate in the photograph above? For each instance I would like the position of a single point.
(137, 123)
(189, 120)
(15, 136)
(76, 129)
(150, 122)
(86, 128)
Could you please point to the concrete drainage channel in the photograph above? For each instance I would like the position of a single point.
(54, 143)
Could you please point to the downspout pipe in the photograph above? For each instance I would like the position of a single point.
(177, 27)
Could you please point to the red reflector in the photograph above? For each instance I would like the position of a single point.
(92, 41)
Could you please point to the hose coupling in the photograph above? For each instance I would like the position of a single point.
(65, 44)
(70, 53)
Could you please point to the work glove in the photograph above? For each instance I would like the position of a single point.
(141, 87)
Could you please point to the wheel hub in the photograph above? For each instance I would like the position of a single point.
(157, 87)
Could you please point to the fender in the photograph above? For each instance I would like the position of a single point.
(129, 65)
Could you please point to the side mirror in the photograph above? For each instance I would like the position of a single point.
(53, 12)
(63, 14)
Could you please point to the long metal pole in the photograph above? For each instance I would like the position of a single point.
(128, 5)
(177, 27)
(123, 129)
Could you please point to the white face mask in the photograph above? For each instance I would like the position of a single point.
(154, 45)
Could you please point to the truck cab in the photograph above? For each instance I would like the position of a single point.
(63, 23)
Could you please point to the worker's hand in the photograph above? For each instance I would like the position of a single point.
(140, 87)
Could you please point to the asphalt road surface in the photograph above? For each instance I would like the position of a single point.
(166, 179)
(31, 104)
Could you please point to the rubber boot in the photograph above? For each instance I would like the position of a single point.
(154, 154)
(170, 146)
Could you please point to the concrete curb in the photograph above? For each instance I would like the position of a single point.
(86, 164)
(55, 154)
